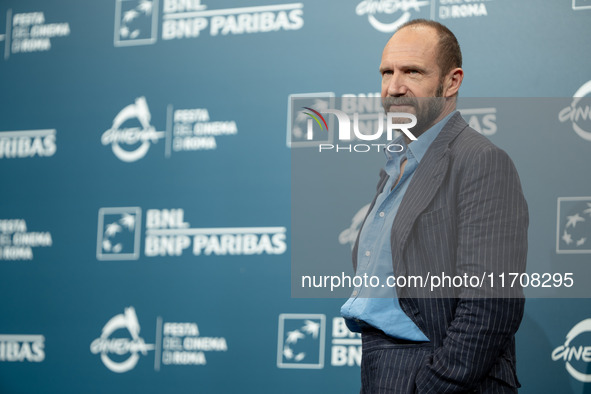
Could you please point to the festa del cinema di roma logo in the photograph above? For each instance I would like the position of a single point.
(188, 129)
(577, 113)
(570, 353)
(177, 343)
(345, 129)
(387, 16)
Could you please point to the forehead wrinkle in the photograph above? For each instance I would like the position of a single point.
(424, 40)
(411, 47)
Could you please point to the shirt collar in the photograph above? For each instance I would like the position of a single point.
(419, 147)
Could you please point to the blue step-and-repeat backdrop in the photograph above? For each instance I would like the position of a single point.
(145, 185)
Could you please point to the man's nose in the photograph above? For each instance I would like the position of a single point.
(396, 86)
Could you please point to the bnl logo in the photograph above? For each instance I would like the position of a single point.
(135, 22)
(573, 225)
(581, 5)
(301, 340)
(344, 122)
(118, 235)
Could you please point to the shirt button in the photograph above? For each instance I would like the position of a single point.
(367, 253)
(382, 214)
(354, 293)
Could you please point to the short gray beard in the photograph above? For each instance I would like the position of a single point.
(425, 117)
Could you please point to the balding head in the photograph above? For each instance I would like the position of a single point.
(449, 54)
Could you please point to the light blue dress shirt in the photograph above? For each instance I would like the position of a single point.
(379, 306)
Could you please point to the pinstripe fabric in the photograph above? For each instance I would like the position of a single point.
(464, 212)
(389, 366)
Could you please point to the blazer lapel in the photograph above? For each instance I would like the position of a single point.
(424, 184)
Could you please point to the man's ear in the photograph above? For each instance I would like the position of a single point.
(453, 81)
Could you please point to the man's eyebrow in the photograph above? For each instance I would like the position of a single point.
(413, 67)
(404, 68)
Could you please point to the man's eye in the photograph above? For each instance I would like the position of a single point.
(413, 71)
(387, 72)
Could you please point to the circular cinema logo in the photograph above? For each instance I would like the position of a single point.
(397, 12)
(136, 137)
(574, 353)
(121, 354)
(579, 112)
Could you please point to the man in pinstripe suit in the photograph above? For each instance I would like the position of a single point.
(450, 204)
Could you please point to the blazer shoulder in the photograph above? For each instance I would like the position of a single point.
(470, 145)
(469, 139)
(459, 139)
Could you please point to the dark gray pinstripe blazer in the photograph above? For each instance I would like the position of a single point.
(463, 212)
